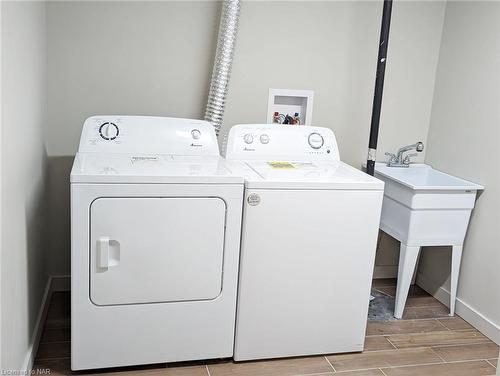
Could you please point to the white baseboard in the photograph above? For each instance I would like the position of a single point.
(385, 271)
(464, 310)
(54, 283)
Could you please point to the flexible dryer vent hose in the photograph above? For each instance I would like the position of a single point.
(219, 84)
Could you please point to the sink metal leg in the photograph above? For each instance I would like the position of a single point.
(408, 256)
(455, 269)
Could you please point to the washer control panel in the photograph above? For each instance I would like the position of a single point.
(281, 142)
(148, 135)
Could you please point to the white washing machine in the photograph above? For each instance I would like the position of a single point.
(155, 233)
(309, 235)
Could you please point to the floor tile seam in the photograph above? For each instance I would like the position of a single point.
(392, 344)
(461, 344)
(419, 364)
(330, 363)
(381, 350)
(444, 344)
(422, 307)
(493, 365)
(383, 373)
(439, 356)
(435, 332)
(388, 366)
(419, 333)
(433, 364)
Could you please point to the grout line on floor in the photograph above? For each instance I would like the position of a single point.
(440, 323)
(424, 307)
(415, 333)
(430, 319)
(382, 350)
(436, 332)
(415, 319)
(331, 365)
(208, 371)
(383, 373)
(464, 344)
(416, 365)
(435, 363)
(439, 356)
(410, 365)
(392, 344)
(443, 345)
(488, 361)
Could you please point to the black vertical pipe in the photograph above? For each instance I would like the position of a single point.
(379, 86)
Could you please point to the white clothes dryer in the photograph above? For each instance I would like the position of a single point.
(155, 234)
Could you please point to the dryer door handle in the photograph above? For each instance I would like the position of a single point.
(103, 252)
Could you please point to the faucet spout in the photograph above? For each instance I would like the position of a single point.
(419, 147)
(399, 160)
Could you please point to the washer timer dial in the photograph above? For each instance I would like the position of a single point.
(315, 140)
(109, 131)
(248, 138)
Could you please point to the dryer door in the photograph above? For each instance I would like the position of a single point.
(150, 250)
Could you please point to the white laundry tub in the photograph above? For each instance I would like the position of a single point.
(424, 207)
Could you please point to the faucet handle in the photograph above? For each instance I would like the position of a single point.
(407, 159)
(392, 158)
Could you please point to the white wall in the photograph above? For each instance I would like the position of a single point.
(333, 51)
(155, 59)
(463, 140)
(23, 85)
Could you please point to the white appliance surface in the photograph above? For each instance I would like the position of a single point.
(150, 168)
(155, 233)
(165, 264)
(312, 175)
(309, 234)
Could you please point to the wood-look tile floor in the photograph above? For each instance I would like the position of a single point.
(426, 342)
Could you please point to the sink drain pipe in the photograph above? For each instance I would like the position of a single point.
(379, 86)
(219, 84)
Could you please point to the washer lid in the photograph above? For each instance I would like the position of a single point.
(149, 168)
(309, 175)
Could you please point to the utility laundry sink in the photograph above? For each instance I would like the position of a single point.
(424, 207)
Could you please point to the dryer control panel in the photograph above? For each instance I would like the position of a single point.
(281, 142)
(148, 135)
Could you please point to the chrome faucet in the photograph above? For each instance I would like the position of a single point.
(397, 160)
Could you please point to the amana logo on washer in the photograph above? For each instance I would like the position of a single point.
(253, 199)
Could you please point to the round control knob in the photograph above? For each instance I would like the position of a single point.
(196, 134)
(248, 138)
(315, 140)
(109, 131)
(264, 138)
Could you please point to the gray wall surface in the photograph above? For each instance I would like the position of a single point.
(463, 140)
(156, 58)
(23, 176)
